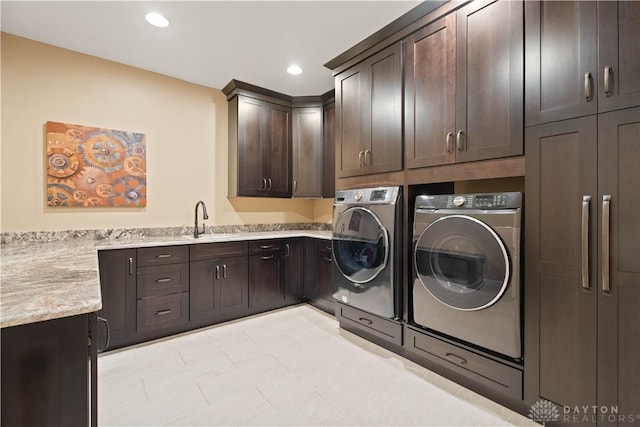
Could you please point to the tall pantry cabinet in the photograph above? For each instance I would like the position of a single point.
(582, 292)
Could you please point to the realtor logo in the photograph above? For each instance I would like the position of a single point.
(544, 411)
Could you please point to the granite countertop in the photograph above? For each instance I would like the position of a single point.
(44, 281)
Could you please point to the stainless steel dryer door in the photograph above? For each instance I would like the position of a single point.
(360, 245)
(462, 262)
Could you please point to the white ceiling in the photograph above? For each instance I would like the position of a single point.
(210, 42)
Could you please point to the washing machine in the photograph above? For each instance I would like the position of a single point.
(366, 245)
(466, 259)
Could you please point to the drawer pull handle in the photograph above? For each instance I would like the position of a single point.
(267, 257)
(163, 312)
(328, 259)
(456, 358)
(266, 246)
(164, 279)
(164, 255)
(329, 248)
(365, 320)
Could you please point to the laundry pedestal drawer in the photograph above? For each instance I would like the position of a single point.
(488, 372)
(351, 318)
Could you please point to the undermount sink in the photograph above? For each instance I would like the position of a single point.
(209, 236)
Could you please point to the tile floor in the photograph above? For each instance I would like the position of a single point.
(291, 367)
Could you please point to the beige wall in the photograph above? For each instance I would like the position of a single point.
(185, 127)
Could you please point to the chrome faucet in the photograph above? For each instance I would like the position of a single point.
(196, 231)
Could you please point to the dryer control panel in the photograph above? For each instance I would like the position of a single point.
(485, 201)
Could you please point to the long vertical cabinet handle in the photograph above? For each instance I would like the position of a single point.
(224, 271)
(586, 200)
(367, 158)
(606, 207)
(287, 250)
(130, 266)
(587, 86)
(217, 272)
(361, 158)
(263, 187)
(607, 80)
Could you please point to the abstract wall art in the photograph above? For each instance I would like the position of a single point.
(93, 167)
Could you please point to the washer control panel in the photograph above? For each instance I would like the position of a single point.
(368, 196)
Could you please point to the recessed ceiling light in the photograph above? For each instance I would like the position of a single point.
(156, 20)
(294, 69)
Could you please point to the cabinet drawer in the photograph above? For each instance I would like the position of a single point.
(162, 280)
(162, 255)
(162, 312)
(386, 329)
(257, 247)
(217, 250)
(476, 367)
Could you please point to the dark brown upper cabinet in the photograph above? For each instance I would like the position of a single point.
(618, 54)
(307, 151)
(260, 137)
(464, 86)
(369, 115)
(582, 57)
(328, 145)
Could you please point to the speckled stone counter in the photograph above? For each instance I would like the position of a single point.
(53, 279)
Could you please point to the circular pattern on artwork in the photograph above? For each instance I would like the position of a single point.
(62, 162)
(104, 151)
(60, 195)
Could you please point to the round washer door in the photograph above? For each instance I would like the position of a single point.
(462, 262)
(360, 245)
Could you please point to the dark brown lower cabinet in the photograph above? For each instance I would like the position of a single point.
(293, 254)
(265, 275)
(49, 373)
(582, 288)
(218, 281)
(118, 287)
(318, 274)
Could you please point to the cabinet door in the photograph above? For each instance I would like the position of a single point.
(276, 152)
(118, 287)
(293, 270)
(429, 118)
(383, 111)
(618, 54)
(265, 282)
(234, 289)
(325, 271)
(45, 374)
(561, 292)
(490, 80)
(618, 282)
(311, 291)
(204, 289)
(252, 135)
(350, 122)
(307, 152)
(561, 60)
(329, 151)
